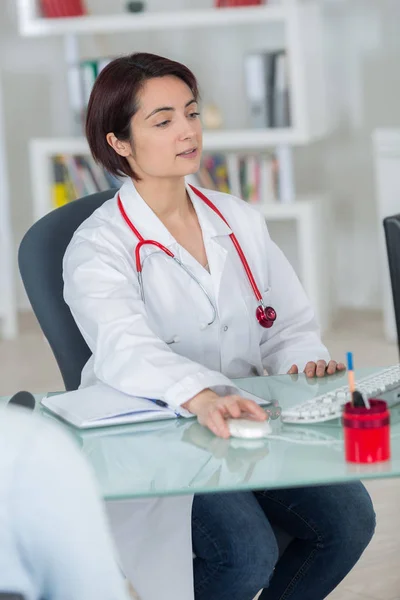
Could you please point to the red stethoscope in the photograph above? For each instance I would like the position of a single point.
(265, 315)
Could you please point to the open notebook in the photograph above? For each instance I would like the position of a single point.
(100, 405)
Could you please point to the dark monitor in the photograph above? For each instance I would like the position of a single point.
(392, 234)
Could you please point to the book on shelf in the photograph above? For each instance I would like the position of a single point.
(267, 89)
(62, 8)
(81, 78)
(252, 177)
(78, 176)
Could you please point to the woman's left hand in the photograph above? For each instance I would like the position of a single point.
(319, 369)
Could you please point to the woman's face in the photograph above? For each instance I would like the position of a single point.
(166, 130)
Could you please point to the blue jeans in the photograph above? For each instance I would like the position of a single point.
(236, 550)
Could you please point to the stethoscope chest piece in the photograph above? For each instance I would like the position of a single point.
(265, 315)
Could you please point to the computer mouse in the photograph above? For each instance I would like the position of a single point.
(248, 428)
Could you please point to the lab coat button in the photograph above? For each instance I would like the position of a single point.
(226, 328)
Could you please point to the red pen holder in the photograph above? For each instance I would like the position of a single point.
(366, 432)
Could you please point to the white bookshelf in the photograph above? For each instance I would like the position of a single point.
(8, 311)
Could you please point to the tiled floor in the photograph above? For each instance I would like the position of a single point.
(27, 363)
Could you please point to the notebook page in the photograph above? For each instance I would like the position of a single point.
(99, 402)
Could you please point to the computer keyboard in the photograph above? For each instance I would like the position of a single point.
(328, 406)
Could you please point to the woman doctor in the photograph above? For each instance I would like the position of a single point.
(210, 298)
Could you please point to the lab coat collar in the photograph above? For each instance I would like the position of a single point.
(150, 226)
(143, 218)
(211, 224)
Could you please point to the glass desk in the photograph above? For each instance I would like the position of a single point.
(181, 457)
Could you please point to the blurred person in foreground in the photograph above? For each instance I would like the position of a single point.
(54, 542)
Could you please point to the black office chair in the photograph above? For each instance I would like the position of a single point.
(392, 234)
(40, 259)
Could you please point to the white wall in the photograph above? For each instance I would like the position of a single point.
(8, 313)
(363, 52)
(363, 48)
(34, 105)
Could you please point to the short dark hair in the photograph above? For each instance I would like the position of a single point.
(114, 101)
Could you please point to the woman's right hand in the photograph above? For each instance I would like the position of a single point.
(213, 410)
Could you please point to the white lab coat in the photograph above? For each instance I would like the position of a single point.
(164, 348)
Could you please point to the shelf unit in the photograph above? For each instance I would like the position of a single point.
(299, 25)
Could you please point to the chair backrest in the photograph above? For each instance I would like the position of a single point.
(40, 259)
(392, 234)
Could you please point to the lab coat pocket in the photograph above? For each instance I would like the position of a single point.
(167, 329)
(268, 301)
(266, 294)
(252, 304)
(260, 333)
(170, 341)
(267, 297)
(251, 330)
(170, 335)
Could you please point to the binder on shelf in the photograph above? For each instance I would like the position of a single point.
(280, 94)
(267, 89)
(88, 72)
(81, 77)
(76, 96)
(257, 89)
